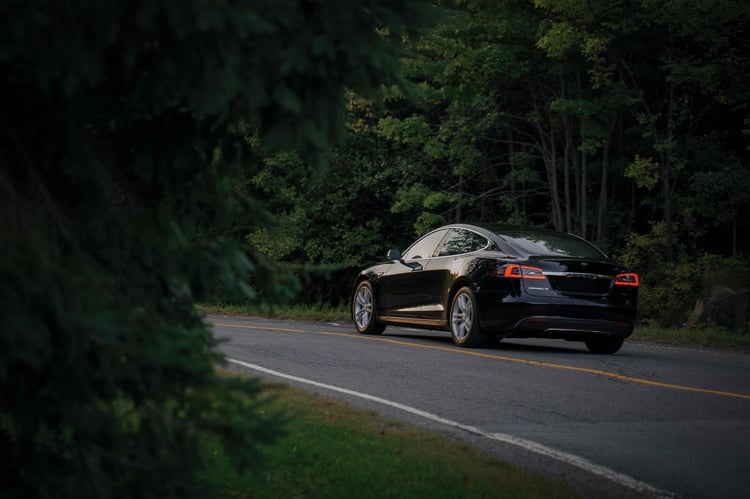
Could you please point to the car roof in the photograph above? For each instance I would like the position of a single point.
(510, 234)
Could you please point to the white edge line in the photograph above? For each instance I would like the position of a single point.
(543, 450)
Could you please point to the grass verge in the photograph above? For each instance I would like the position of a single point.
(699, 337)
(292, 312)
(332, 449)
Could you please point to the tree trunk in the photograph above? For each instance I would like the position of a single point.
(734, 235)
(666, 188)
(601, 218)
(460, 199)
(667, 178)
(582, 200)
(551, 158)
(549, 155)
(566, 175)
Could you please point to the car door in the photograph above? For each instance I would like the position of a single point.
(400, 289)
(445, 267)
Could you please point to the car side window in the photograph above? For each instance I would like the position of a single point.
(479, 242)
(461, 241)
(425, 247)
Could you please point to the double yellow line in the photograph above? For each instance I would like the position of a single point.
(476, 353)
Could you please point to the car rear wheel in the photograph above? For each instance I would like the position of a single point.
(604, 345)
(464, 320)
(364, 311)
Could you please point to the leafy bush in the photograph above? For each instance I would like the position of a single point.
(669, 291)
(123, 140)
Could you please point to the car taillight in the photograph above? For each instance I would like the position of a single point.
(629, 279)
(522, 271)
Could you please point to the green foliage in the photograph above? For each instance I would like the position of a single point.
(327, 215)
(418, 198)
(620, 122)
(718, 204)
(644, 171)
(669, 291)
(668, 296)
(332, 220)
(126, 135)
(409, 130)
(560, 40)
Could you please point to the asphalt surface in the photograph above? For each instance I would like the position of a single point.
(650, 421)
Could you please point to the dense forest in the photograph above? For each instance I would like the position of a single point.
(624, 122)
(158, 153)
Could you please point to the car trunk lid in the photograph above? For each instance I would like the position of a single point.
(574, 278)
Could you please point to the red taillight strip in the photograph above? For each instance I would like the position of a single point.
(629, 279)
(521, 271)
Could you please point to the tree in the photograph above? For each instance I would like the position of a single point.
(468, 75)
(620, 121)
(697, 55)
(122, 137)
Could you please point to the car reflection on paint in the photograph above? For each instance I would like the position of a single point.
(500, 281)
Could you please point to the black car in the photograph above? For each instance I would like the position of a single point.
(500, 281)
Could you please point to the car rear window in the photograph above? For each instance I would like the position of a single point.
(551, 243)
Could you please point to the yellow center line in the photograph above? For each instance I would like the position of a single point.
(474, 353)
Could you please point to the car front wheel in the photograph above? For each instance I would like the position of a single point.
(606, 346)
(464, 320)
(364, 311)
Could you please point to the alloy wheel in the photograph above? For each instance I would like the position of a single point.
(363, 307)
(462, 317)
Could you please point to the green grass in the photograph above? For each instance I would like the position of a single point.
(334, 450)
(292, 312)
(701, 337)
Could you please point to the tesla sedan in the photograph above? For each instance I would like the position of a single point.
(498, 281)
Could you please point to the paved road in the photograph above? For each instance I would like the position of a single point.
(650, 421)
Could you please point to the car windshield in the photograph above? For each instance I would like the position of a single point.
(542, 242)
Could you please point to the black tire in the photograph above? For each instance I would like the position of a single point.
(364, 311)
(606, 346)
(464, 320)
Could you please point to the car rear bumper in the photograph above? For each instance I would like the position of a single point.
(571, 322)
(568, 328)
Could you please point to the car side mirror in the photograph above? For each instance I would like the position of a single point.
(394, 254)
